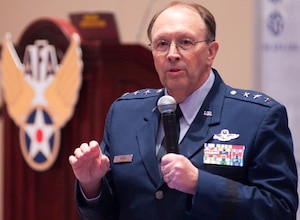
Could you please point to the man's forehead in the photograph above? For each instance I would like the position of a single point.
(178, 19)
(177, 10)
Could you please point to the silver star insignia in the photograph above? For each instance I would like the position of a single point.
(147, 92)
(246, 94)
(268, 99)
(256, 96)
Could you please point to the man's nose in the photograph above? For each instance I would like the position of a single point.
(173, 53)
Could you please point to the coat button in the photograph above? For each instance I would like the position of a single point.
(159, 194)
(233, 92)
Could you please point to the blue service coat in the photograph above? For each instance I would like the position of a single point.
(260, 184)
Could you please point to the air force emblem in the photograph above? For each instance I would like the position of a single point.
(40, 95)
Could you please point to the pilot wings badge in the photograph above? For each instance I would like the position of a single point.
(225, 136)
(41, 95)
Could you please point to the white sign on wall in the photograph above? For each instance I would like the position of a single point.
(279, 59)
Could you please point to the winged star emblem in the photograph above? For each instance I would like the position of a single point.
(41, 95)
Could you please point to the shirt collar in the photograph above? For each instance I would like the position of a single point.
(192, 104)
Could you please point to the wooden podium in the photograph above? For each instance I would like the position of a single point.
(110, 69)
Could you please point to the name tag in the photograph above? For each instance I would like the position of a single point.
(223, 154)
(127, 158)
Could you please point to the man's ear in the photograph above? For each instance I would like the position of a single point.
(212, 50)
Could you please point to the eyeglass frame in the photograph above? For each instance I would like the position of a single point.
(193, 44)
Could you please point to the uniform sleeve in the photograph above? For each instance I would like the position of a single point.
(271, 188)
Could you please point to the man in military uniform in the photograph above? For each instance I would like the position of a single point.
(235, 158)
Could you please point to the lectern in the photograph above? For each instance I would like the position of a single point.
(110, 69)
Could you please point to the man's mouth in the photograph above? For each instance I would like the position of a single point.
(174, 70)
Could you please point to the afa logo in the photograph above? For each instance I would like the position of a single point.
(40, 95)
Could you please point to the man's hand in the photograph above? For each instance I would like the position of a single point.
(89, 166)
(179, 173)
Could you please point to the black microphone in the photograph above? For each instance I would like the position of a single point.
(167, 106)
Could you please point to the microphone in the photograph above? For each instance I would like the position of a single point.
(167, 106)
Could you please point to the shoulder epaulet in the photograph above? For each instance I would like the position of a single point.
(250, 96)
(141, 94)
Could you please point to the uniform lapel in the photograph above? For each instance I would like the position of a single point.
(146, 137)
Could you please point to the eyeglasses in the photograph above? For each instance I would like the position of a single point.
(163, 46)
